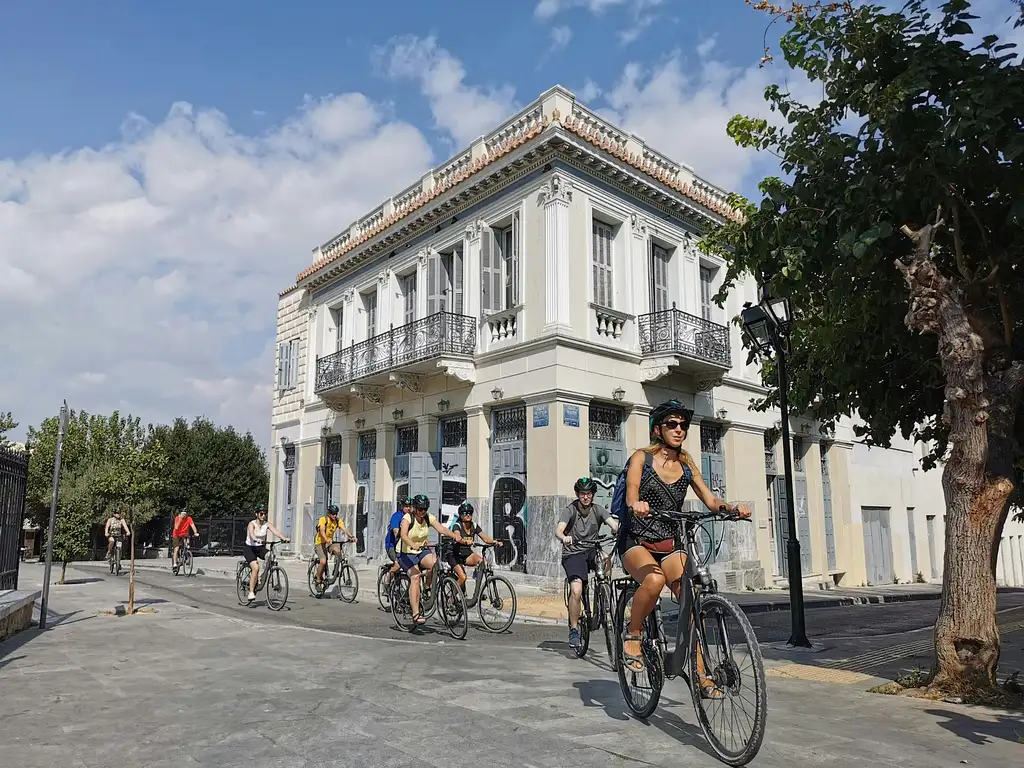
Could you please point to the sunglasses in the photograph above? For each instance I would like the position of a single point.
(673, 424)
(466, 514)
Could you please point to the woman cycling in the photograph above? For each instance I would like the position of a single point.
(255, 547)
(657, 479)
(461, 555)
(413, 556)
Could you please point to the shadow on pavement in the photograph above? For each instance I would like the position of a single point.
(68, 582)
(607, 695)
(1007, 727)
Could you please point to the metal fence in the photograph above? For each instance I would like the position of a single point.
(13, 484)
(220, 536)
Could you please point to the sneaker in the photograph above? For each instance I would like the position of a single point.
(251, 596)
(574, 638)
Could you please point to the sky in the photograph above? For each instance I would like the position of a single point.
(167, 168)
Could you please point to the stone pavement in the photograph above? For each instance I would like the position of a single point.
(181, 687)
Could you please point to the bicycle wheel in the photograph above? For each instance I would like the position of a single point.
(498, 604)
(348, 583)
(384, 589)
(401, 608)
(428, 601)
(187, 563)
(584, 623)
(110, 561)
(452, 606)
(607, 621)
(728, 634)
(640, 690)
(242, 583)
(277, 588)
(315, 589)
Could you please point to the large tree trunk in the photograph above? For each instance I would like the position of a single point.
(982, 395)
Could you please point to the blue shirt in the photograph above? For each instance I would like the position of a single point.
(395, 522)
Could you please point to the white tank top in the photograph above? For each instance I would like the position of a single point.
(259, 538)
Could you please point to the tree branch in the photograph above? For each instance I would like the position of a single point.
(958, 246)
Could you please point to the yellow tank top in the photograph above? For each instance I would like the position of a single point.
(418, 532)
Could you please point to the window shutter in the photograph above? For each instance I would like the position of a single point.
(602, 264)
(457, 280)
(371, 315)
(293, 365)
(282, 365)
(433, 284)
(515, 259)
(659, 278)
(497, 283)
(486, 256)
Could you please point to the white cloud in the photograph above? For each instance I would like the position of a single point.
(588, 92)
(641, 13)
(461, 111)
(681, 108)
(143, 275)
(560, 37)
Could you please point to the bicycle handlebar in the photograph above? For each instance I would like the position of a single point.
(680, 516)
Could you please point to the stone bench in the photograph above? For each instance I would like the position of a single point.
(16, 611)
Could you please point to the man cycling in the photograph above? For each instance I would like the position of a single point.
(461, 554)
(183, 524)
(324, 544)
(115, 530)
(394, 527)
(577, 529)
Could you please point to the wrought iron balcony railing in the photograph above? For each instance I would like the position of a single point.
(444, 333)
(672, 331)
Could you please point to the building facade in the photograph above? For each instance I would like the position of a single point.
(504, 325)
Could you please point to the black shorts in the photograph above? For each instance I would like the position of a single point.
(626, 542)
(456, 556)
(251, 553)
(577, 565)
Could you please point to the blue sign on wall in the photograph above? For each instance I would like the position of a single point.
(540, 416)
(571, 415)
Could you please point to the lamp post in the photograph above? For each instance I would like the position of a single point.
(766, 329)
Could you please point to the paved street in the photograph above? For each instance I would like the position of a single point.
(206, 686)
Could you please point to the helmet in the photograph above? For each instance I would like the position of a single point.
(332, 509)
(404, 501)
(465, 508)
(669, 408)
(419, 501)
(585, 485)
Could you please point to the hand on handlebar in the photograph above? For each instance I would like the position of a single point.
(641, 509)
(742, 511)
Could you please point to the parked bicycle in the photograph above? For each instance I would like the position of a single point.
(493, 591)
(272, 576)
(713, 678)
(444, 594)
(601, 611)
(186, 561)
(341, 572)
(114, 558)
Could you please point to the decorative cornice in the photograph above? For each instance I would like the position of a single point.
(372, 395)
(408, 381)
(464, 370)
(639, 225)
(384, 277)
(557, 190)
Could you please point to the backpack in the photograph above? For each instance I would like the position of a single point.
(618, 507)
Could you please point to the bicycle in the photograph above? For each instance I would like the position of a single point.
(342, 573)
(699, 605)
(271, 574)
(186, 562)
(114, 558)
(384, 585)
(452, 602)
(486, 590)
(601, 614)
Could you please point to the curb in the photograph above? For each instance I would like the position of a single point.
(834, 602)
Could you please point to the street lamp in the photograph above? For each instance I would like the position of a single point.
(766, 329)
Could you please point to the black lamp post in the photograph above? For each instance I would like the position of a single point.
(766, 329)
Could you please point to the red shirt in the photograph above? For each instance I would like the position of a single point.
(182, 525)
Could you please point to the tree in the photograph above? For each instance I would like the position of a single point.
(215, 470)
(7, 423)
(76, 515)
(897, 233)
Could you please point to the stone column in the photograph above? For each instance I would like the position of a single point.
(471, 269)
(349, 457)
(478, 464)
(638, 433)
(638, 278)
(556, 454)
(383, 490)
(426, 434)
(385, 301)
(556, 196)
(421, 282)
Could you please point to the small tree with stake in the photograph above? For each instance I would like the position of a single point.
(136, 514)
(899, 236)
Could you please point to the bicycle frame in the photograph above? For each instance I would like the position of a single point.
(480, 574)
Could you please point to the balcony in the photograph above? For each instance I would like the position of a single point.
(419, 347)
(673, 339)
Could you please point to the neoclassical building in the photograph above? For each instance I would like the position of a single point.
(504, 325)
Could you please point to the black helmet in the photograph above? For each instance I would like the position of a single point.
(332, 509)
(670, 408)
(465, 508)
(420, 501)
(585, 485)
(404, 501)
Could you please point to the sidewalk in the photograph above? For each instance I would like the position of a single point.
(232, 693)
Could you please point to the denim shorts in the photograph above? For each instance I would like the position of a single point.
(409, 561)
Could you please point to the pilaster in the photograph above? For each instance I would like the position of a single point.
(555, 197)
(383, 479)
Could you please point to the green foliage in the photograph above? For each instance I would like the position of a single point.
(7, 423)
(215, 470)
(917, 113)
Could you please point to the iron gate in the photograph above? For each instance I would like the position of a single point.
(13, 484)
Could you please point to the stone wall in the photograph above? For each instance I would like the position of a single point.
(17, 619)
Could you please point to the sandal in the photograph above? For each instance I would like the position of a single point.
(708, 689)
(418, 620)
(633, 663)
